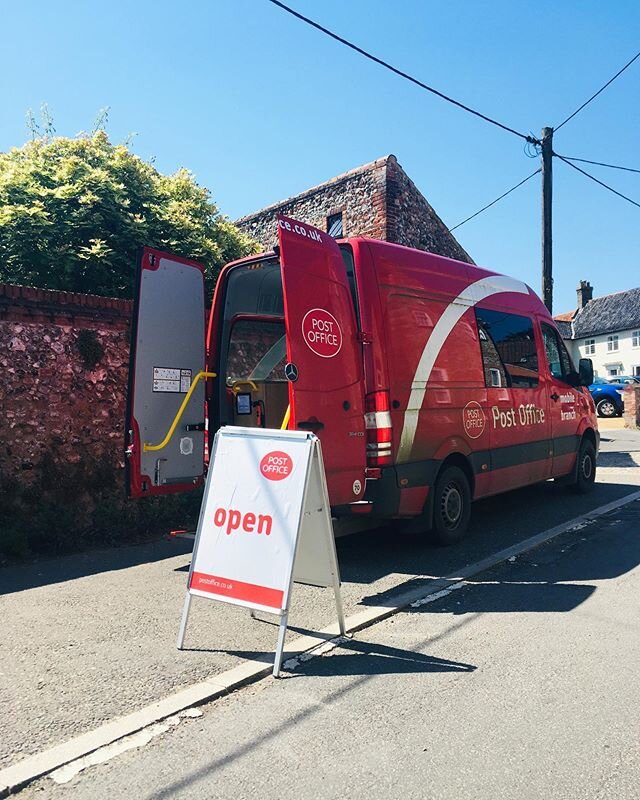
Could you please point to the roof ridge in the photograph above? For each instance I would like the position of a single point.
(370, 166)
(613, 294)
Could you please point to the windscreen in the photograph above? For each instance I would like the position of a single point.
(257, 351)
(253, 342)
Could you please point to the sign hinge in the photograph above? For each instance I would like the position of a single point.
(365, 338)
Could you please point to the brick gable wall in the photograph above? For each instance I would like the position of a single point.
(378, 200)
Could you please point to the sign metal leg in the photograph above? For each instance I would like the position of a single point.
(183, 621)
(277, 664)
(339, 608)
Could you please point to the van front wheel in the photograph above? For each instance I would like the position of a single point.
(585, 468)
(451, 506)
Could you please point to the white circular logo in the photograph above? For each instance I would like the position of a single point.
(357, 487)
(321, 333)
(473, 420)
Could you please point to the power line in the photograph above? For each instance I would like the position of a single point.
(513, 188)
(623, 196)
(530, 139)
(598, 163)
(593, 96)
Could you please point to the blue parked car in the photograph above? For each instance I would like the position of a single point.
(608, 397)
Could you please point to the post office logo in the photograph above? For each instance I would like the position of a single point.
(321, 333)
(276, 466)
(473, 420)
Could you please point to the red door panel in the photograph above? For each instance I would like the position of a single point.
(567, 405)
(327, 396)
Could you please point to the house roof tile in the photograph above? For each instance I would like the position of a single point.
(613, 312)
(563, 327)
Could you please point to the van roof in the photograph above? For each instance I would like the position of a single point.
(388, 249)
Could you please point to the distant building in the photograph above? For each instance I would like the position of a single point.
(605, 329)
(377, 200)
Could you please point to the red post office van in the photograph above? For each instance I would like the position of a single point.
(430, 382)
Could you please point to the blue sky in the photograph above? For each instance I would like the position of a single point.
(260, 107)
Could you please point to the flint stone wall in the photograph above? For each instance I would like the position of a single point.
(63, 377)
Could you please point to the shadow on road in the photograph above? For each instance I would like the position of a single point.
(365, 557)
(377, 659)
(617, 460)
(496, 523)
(507, 597)
(380, 659)
(551, 572)
(67, 568)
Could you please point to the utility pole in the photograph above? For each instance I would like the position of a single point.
(547, 249)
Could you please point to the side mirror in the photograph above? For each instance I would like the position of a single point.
(585, 370)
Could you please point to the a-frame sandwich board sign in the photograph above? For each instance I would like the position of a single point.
(265, 523)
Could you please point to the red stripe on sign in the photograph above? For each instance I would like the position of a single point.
(227, 587)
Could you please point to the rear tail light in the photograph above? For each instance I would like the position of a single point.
(379, 429)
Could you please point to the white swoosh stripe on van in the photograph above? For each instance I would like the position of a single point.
(468, 297)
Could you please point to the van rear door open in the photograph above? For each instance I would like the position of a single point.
(167, 353)
(325, 360)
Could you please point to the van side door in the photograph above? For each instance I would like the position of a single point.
(167, 353)
(518, 423)
(325, 372)
(566, 403)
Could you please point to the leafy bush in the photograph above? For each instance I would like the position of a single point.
(75, 211)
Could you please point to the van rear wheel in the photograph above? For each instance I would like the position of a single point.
(451, 506)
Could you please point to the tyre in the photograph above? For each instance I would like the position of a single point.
(607, 408)
(585, 475)
(451, 506)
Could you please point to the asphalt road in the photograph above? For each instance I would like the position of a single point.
(521, 684)
(91, 637)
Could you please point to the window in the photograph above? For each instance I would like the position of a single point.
(612, 343)
(613, 371)
(636, 372)
(508, 347)
(334, 225)
(589, 347)
(558, 359)
(495, 377)
(635, 338)
(347, 258)
(257, 352)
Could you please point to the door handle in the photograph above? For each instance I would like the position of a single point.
(312, 425)
(196, 426)
(555, 396)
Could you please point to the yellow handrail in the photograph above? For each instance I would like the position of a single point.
(148, 447)
(285, 421)
(235, 386)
